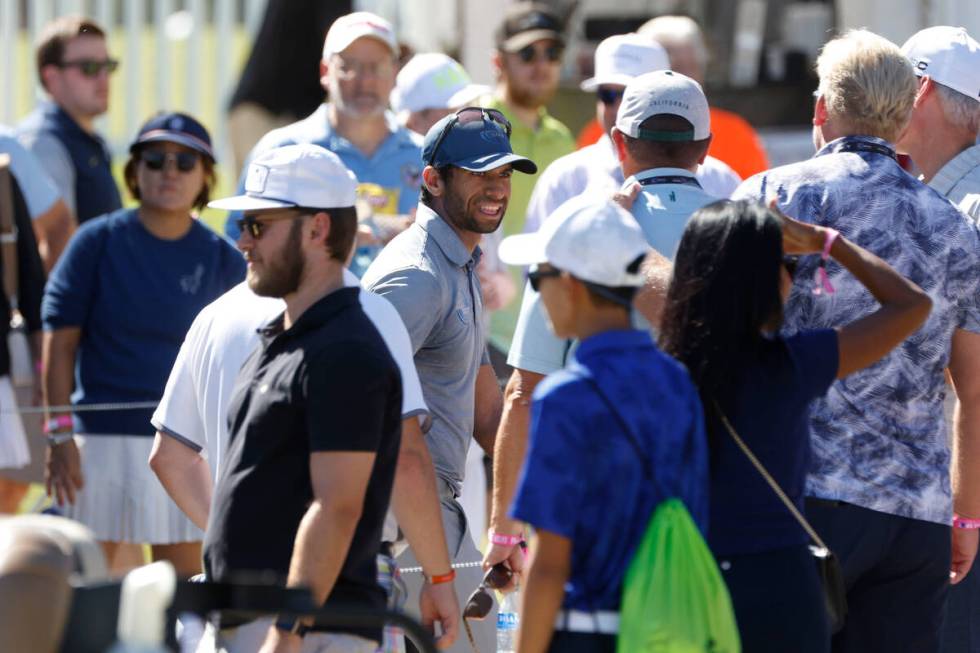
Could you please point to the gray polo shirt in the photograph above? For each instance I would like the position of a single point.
(430, 277)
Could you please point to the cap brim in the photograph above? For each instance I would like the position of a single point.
(518, 41)
(186, 141)
(593, 83)
(492, 161)
(522, 249)
(247, 203)
(467, 95)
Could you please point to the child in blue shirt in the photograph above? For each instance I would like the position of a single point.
(620, 414)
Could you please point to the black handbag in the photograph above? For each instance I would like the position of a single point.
(828, 566)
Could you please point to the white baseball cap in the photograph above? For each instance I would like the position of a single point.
(949, 56)
(664, 92)
(294, 175)
(620, 58)
(347, 29)
(593, 240)
(433, 81)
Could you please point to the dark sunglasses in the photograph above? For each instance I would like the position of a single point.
(610, 95)
(91, 67)
(157, 159)
(791, 263)
(480, 603)
(255, 224)
(537, 274)
(551, 53)
(468, 115)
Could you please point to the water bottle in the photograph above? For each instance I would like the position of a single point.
(507, 623)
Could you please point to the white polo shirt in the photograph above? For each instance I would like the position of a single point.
(959, 181)
(194, 407)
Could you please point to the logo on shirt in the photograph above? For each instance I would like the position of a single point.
(412, 175)
(191, 283)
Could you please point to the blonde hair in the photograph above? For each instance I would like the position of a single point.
(677, 30)
(868, 83)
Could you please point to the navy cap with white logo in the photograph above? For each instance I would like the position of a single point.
(177, 128)
(473, 139)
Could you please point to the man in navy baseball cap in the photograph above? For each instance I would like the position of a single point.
(474, 139)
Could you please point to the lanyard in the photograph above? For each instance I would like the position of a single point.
(864, 146)
(670, 179)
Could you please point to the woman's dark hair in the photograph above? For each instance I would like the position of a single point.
(202, 199)
(724, 292)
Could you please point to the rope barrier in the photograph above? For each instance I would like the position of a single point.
(458, 565)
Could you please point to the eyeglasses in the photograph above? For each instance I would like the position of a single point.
(610, 95)
(791, 263)
(255, 224)
(348, 69)
(157, 159)
(480, 603)
(468, 115)
(92, 67)
(551, 53)
(537, 274)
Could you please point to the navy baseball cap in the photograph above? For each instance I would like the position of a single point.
(478, 144)
(175, 128)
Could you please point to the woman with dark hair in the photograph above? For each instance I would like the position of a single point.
(732, 274)
(115, 312)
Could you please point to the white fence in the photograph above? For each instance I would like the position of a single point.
(176, 55)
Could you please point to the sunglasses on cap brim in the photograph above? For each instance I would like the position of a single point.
(465, 116)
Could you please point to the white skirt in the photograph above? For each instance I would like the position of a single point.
(14, 453)
(121, 499)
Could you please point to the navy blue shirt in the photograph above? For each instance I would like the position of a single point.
(584, 480)
(771, 413)
(134, 296)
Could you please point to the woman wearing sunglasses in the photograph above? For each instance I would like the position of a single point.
(115, 312)
(722, 319)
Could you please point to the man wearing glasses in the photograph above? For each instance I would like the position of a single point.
(527, 63)
(429, 273)
(73, 66)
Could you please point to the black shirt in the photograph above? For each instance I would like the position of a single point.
(328, 383)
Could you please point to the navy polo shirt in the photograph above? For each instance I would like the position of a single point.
(584, 480)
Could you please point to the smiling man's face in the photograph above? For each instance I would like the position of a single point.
(476, 201)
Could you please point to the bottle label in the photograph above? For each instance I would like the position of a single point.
(506, 620)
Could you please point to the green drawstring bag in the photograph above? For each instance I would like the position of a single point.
(674, 598)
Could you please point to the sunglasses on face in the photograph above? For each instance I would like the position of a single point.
(791, 263)
(610, 95)
(157, 159)
(537, 274)
(255, 225)
(91, 67)
(480, 603)
(551, 53)
(468, 115)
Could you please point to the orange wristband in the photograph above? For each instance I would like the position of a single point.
(443, 578)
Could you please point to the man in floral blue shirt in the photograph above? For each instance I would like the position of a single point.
(880, 485)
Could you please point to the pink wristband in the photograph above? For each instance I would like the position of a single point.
(964, 522)
(505, 540)
(58, 423)
(822, 283)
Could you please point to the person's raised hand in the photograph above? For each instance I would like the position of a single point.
(439, 603)
(798, 237)
(627, 198)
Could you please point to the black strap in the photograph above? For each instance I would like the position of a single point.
(670, 179)
(866, 147)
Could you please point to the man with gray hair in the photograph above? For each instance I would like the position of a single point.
(879, 486)
(941, 139)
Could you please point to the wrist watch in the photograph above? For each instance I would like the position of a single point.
(291, 625)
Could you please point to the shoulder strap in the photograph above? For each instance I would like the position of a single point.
(8, 233)
(769, 479)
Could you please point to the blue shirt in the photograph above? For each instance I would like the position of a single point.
(584, 480)
(395, 167)
(134, 297)
(879, 437)
(662, 209)
(770, 411)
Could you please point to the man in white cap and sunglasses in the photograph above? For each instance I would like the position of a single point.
(429, 273)
(430, 87)
(192, 442)
(942, 140)
(662, 133)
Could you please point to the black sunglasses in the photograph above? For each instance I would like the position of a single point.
(537, 274)
(551, 53)
(255, 224)
(791, 263)
(480, 603)
(610, 95)
(468, 115)
(91, 67)
(157, 159)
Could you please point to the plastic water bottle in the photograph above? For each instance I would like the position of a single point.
(507, 623)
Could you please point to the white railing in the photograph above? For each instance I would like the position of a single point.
(176, 55)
